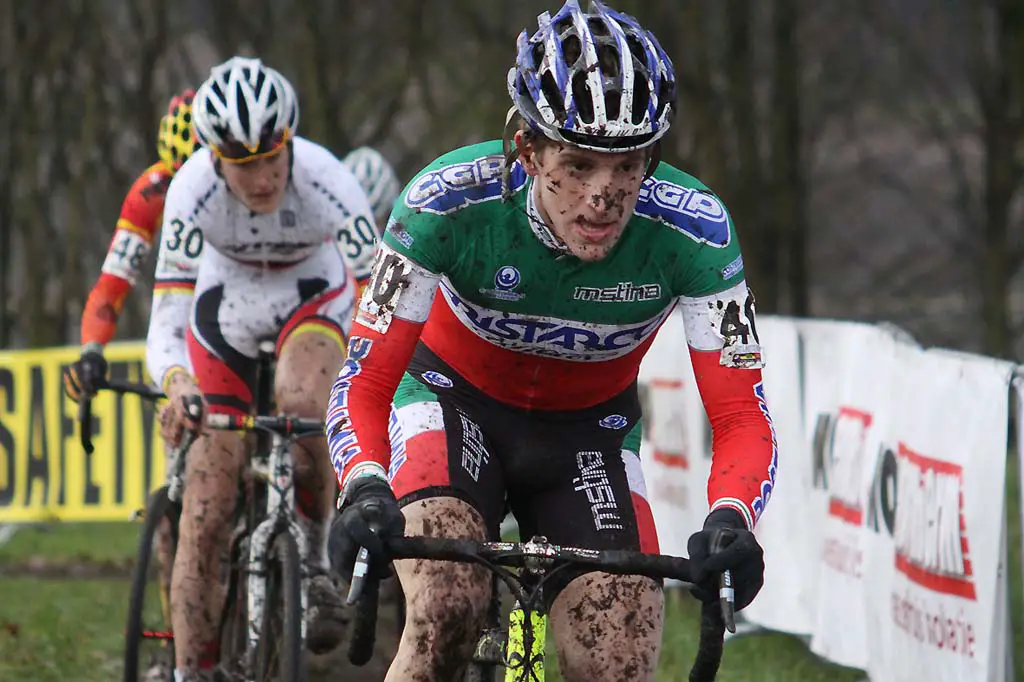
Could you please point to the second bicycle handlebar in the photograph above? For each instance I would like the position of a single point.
(285, 426)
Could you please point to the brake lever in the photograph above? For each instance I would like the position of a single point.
(359, 572)
(85, 423)
(726, 591)
(194, 408)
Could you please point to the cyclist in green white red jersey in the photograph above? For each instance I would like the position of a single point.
(493, 361)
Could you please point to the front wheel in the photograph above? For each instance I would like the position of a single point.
(149, 618)
(279, 653)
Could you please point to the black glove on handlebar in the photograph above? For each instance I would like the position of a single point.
(85, 374)
(369, 517)
(738, 551)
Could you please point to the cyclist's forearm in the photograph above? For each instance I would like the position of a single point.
(745, 450)
(391, 316)
(359, 409)
(128, 250)
(103, 307)
(166, 348)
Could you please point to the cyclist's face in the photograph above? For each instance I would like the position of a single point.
(586, 197)
(259, 183)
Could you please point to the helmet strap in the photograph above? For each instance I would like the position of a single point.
(510, 151)
(652, 163)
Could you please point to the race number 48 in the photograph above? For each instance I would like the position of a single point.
(126, 256)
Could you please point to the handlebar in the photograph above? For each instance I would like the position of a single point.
(530, 554)
(123, 387)
(540, 556)
(285, 426)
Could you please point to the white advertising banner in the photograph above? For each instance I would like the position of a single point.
(787, 529)
(675, 453)
(933, 570)
(882, 538)
(849, 430)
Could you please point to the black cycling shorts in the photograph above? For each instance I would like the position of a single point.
(571, 476)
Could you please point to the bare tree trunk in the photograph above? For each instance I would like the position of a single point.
(700, 104)
(760, 231)
(1000, 98)
(789, 186)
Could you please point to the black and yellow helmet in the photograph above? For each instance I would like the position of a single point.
(175, 142)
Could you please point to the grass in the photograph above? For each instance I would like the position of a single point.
(97, 542)
(61, 630)
(53, 629)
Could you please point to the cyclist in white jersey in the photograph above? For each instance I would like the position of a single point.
(254, 228)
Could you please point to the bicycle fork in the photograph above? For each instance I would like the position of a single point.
(279, 476)
(525, 637)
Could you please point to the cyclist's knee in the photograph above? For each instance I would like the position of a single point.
(446, 601)
(293, 400)
(608, 627)
(306, 368)
(445, 610)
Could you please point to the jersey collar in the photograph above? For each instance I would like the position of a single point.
(539, 226)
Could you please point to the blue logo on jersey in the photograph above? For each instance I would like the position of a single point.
(342, 440)
(437, 379)
(398, 452)
(732, 268)
(550, 336)
(768, 484)
(506, 278)
(696, 213)
(614, 421)
(398, 231)
(452, 187)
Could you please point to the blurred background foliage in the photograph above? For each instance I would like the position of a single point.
(871, 153)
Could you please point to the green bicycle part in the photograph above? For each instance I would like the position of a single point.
(516, 655)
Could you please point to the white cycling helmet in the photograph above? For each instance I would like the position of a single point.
(594, 79)
(244, 109)
(377, 178)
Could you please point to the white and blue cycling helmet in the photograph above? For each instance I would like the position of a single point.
(377, 178)
(593, 79)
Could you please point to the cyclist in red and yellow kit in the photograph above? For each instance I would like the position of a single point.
(141, 215)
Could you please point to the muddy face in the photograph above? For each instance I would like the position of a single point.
(259, 183)
(586, 197)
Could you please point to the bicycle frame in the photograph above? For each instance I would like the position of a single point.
(277, 471)
(268, 510)
(525, 648)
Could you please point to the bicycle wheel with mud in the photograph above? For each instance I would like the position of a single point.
(279, 652)
(149, 641)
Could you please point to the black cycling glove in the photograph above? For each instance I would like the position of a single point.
(737, 551)
(369, 516)
(86, 373)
